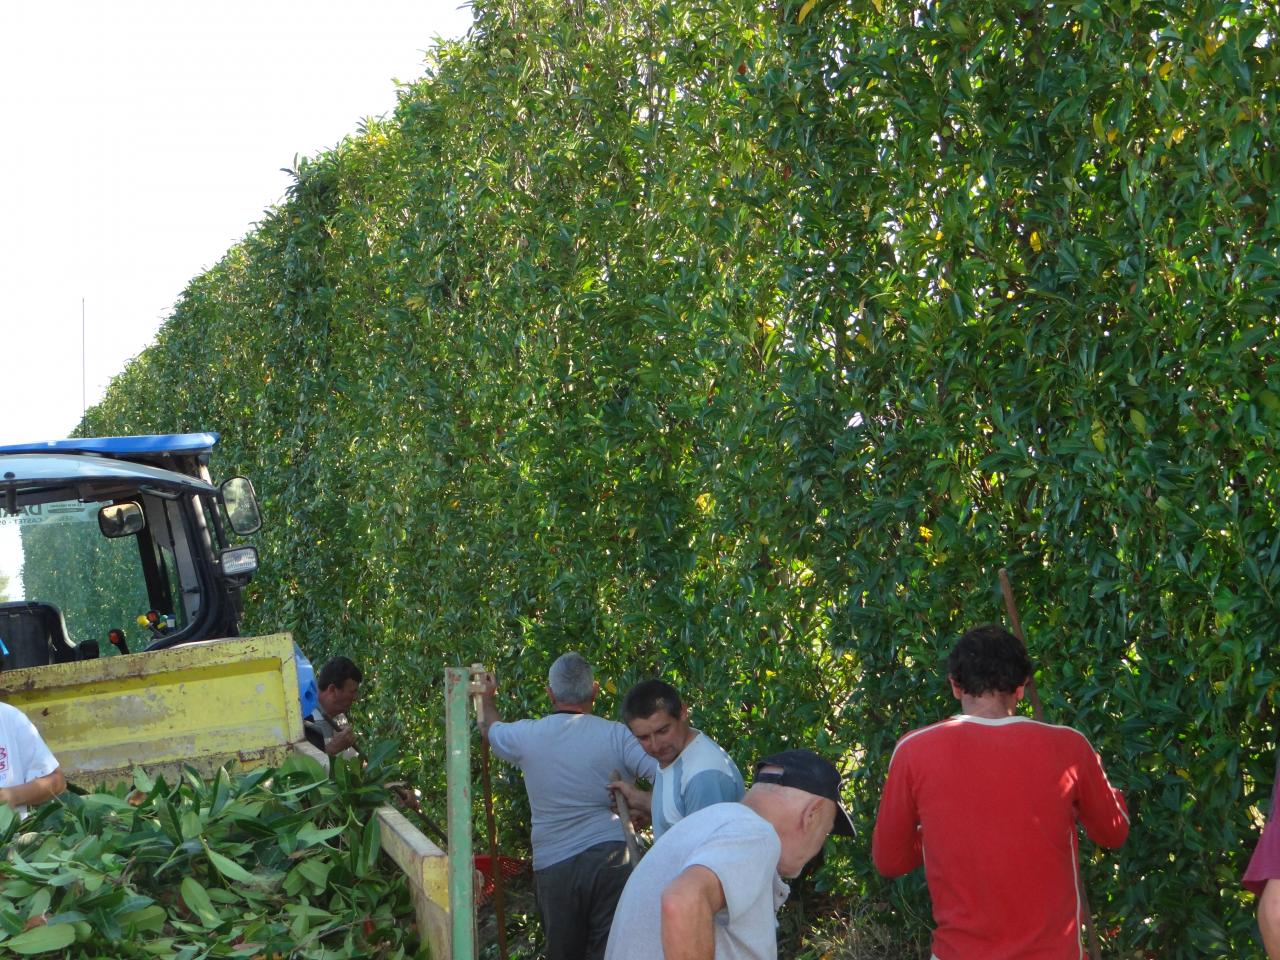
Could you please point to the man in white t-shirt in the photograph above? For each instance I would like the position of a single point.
(580, 861)
(693, 770)
(29, 774)
(710, 889)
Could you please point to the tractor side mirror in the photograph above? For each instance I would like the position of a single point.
(241, 505)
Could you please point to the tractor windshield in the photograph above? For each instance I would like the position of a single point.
(55, 554)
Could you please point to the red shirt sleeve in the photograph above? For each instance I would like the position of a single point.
(1100, 806)
(1264, 865)
(895, 842)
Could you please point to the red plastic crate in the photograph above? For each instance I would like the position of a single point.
(511, 867)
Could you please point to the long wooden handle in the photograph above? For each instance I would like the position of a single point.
(495, 861)
(1011, 607)
(624, 813)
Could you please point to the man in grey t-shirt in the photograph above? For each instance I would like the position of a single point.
(711, 887)
(580, 861)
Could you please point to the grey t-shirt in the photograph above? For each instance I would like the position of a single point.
(566, 759)
(742, 849)
(701, 775)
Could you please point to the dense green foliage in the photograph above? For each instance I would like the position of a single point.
(270, 863)
(744, 343)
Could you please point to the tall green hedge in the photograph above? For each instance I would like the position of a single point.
(745, 342)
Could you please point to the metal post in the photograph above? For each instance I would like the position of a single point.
(457, 727)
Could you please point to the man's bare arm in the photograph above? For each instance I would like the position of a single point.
(34, 791)
(689, 906)
(1269, 918)
(488, 709)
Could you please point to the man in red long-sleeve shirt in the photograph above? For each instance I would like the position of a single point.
(988, 802)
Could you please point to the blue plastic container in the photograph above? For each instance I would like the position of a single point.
(308, 692)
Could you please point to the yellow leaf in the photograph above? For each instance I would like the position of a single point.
(1036, 245)
(611, 686)
(1166, 69)
(1111, 136)
(804, 10)
(938, 235)
(1211, 45)
(1178, 134)
(879, 5)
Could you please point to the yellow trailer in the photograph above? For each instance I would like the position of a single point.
(200, 705)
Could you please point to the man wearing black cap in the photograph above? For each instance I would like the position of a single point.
(711, 887)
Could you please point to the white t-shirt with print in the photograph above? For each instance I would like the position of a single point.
(23, 754)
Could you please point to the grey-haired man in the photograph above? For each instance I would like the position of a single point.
(710, 889)
(580, 861)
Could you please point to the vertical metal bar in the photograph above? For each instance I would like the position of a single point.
(457, 729)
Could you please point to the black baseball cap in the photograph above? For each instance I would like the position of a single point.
(805, 770)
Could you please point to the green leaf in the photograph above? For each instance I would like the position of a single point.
(142, 780)
(197, 900)
(310, 834)
(147, 920)
(370, 844)
(229, 868)
(42, 939)
(316, 871)
(1098, 435)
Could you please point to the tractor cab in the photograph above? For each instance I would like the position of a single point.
(115, 545)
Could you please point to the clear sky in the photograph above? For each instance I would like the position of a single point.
(142, 139)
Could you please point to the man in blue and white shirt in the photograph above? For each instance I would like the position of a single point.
(693, 771)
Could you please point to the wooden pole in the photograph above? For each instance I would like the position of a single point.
(628, 829)
(1037, 710)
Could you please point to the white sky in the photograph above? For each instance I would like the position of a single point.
(143, 138)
